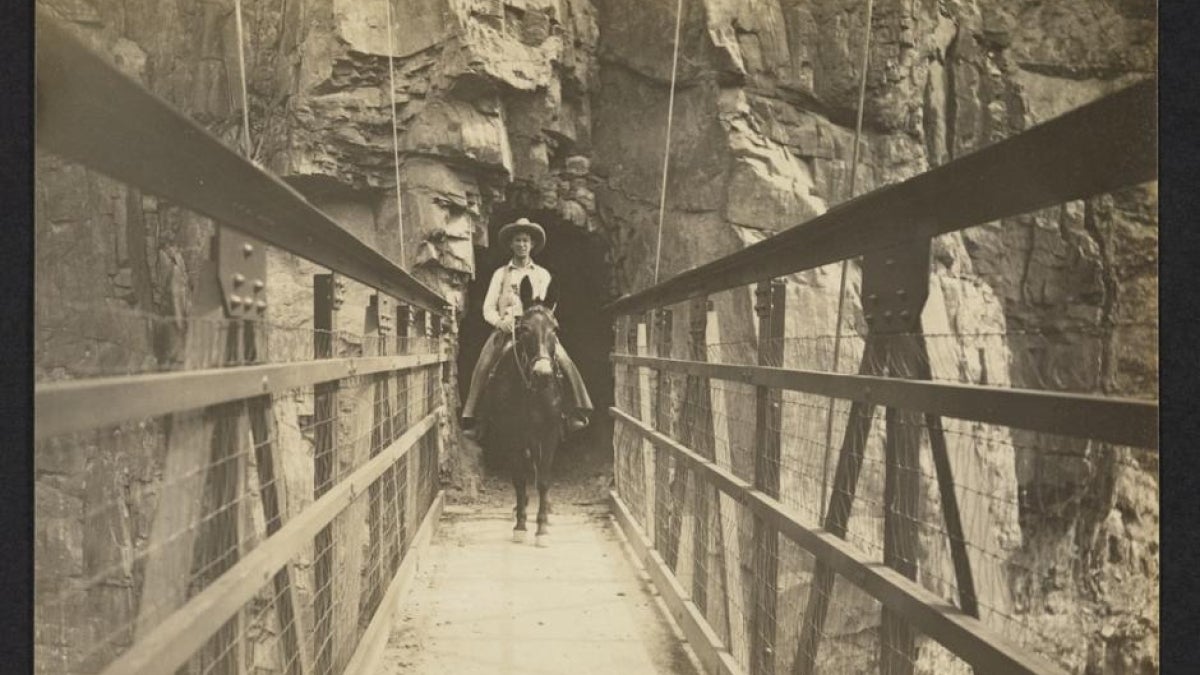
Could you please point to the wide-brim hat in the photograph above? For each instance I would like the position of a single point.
(518, 226)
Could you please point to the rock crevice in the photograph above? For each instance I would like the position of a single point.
(559, 108)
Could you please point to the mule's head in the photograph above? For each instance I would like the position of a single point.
(535, 334)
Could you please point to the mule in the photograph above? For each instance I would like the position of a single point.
(525, 404)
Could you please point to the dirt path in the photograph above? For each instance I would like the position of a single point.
(483, 604)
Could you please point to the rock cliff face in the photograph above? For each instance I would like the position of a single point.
(1060, 299)
(558, 107)
(491, 103)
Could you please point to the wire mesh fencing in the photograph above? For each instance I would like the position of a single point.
(1020, 529)
(258, 533)
(171, 504)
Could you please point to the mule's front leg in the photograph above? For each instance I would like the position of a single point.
(543, 517)
(520, 532)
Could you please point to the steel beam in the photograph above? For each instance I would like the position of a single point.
(1097, 148)
(90, 112)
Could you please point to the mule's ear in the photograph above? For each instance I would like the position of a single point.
(525, 292)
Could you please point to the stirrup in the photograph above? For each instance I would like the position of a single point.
(577, 421)
(476, 429)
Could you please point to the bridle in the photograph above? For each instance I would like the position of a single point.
(522, 368)
(525, 379)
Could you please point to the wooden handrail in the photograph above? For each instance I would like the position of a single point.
(78, 405)
(1123, 421)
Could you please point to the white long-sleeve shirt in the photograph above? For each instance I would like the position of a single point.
(503, 299)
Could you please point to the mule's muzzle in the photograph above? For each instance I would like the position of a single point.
(542, 368)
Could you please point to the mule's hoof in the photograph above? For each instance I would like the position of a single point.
(543, 541)
(520, 536)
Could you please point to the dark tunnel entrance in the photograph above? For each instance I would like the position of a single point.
(576, 261)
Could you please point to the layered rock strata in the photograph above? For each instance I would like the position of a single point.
(559, 107)
(1062, 299)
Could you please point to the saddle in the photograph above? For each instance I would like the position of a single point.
(487, 403)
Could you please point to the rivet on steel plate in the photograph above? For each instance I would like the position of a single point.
(262, 305)
(235, 300)
(889, 261)
(901, 292)
(259, 284)
(239, 279)
(887, 314)
(266, 383)
(247, 248)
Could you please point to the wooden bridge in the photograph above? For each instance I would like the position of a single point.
(768, 551)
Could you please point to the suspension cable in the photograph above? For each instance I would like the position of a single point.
(837, 330)
(662, 201)
(248, 149)
(395, 134)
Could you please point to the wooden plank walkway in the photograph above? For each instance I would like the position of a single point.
(483, 604)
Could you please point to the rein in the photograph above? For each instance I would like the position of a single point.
(521, 367)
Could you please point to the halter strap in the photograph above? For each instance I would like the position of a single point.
(522, 366)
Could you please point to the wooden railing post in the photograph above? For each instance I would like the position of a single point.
(174, 537)
(620, 382)
(424, 388)
(770, 305)
(380, 526)
(698, 426)
(634, 400)
(895, 287)
(325, 301)
(644, 413)
(728, 513)
(445, 333)
(268, 457)
(432, 375)
(443, 392)
(389, 344)
(662, 348)
(402, 419)
(664, 510)
(427, 379)
(220, 534)
(437, 393)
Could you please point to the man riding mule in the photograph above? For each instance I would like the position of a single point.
(531, 388)
(502, 308)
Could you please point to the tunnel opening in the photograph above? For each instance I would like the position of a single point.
(577, 263)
